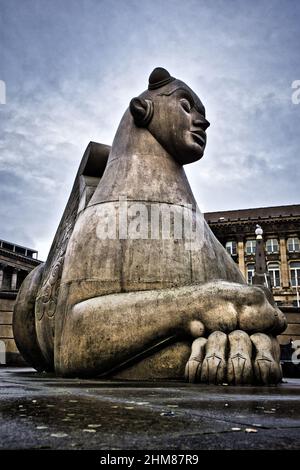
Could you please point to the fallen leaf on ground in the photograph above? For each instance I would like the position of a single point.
(167, 413)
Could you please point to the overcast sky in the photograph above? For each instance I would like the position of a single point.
(72, 66)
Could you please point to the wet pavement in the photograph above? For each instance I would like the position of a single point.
(44, 412)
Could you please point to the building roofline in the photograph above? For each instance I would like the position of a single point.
(24, 258)
(291, 210)
(254, 209)
(19, 246)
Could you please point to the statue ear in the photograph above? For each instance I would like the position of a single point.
(142, 111)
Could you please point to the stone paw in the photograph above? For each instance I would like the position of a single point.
(236, 359)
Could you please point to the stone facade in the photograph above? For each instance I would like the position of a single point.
(281, 226)
(15, 263)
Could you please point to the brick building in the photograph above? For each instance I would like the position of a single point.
(15, 263)
(281, 226)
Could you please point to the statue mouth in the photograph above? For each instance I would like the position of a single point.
(200, 137)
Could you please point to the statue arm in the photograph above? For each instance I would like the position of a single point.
(100, 333)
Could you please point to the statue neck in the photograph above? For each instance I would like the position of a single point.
(140, 169)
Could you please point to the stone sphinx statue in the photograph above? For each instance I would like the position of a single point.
(113, 299)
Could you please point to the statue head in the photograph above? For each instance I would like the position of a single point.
(174, 115)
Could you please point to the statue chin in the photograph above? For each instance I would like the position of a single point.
(189, 155)
(185, 159)
(186, 149)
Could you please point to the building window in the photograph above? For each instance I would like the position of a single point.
(250, 247)
(293, 244)
(250, 272)
(272, 245)
(6, 281)
(295, 273)
(274, 272)
(231, 248)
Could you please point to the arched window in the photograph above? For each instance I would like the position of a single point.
(250, 272)
(250, 247)
(274, 272)
(272, 245)
(295, 273)
(231, 247)
(293, 244)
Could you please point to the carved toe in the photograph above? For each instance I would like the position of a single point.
(194, 364)
(266, 365)
(239, 369)
(214, 363)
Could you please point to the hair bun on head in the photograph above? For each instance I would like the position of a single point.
(158, 78)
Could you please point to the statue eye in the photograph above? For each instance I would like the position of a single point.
(186, 105)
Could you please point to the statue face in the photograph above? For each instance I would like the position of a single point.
(179, 123)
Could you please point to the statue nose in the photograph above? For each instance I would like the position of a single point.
(202, 123)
